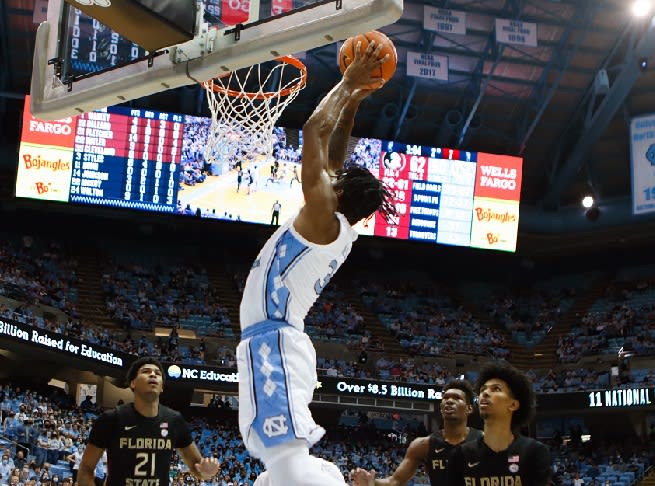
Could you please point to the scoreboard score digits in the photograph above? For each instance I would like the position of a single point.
(154, 161)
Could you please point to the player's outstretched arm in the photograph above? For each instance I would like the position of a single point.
(201, 467)
(87, 472)
(338, 145)
(416, 453)
(317, 217)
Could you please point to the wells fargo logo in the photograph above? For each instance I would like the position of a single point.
(38, 162)
(55, 127)
(498, 177)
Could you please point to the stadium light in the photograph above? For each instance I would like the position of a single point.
(588, 202)
(641, 8)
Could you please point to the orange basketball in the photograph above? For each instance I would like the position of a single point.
(347, 54)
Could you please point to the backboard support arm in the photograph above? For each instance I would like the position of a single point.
(219, 54)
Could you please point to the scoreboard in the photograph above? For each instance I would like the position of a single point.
(115, 157)
(91, 46)
(126, 157)
(451, 197)
(154, 161)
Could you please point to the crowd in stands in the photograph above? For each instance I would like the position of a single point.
(142, 297)
(426, 322)
(40, 272)
(599, 463)
(42, 429)
(620, 319)
(528, 312)
(406, 370)
(568, 380)
(419, 313)
(333, 319)
(194, 168)
(367, 153)
(340, 368)
(167, 349)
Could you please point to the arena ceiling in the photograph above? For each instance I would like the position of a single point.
(537, 102)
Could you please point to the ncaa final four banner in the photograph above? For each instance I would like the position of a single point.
(642, 150)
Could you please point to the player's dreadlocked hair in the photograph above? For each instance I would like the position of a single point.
(520, 386)
(362, 195)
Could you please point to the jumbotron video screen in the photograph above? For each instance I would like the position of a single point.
(154, 161)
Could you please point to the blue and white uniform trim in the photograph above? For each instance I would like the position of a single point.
(288, 251)
(270, 387)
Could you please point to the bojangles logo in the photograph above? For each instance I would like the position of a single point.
(489, 214)
(38, 162)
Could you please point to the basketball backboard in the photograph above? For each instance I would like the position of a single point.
(80, 65)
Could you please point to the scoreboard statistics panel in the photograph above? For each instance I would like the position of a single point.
(127, 155)
(118, 157)
(434, 190)
(451, 196)
(154, 161)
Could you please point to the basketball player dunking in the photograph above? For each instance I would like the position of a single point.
(276, 359)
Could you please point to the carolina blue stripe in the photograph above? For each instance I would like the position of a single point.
(287, 251)
(273, 422)
(286, 378)
(262, 328)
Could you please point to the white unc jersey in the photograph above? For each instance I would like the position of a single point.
(290, 273)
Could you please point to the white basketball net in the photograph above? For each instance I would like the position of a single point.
(245, 108)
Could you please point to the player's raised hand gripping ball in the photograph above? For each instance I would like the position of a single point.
(385, 70)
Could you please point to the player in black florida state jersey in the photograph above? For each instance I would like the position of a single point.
(140, 437)
(435, 449)
(502, 457)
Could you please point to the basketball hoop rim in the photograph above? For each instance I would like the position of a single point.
(293, 61)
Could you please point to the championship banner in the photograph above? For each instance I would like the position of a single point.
(427, 65)
(444, 20)
(516, 32)
(642, 163)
